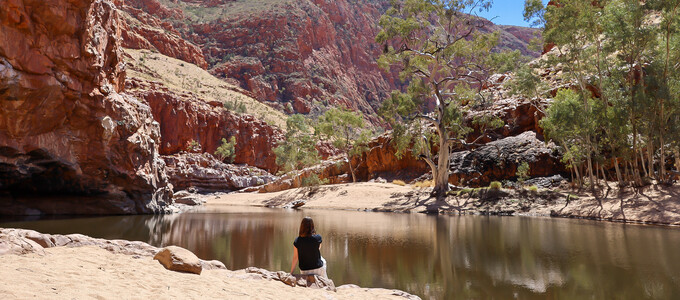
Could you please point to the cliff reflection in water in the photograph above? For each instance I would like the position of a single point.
(435, 257)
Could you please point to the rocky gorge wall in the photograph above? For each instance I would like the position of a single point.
(296, 55)
(70, 141)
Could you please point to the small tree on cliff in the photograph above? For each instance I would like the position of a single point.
(227, 150)
(438, 49)
(298, 150)
(345, 129)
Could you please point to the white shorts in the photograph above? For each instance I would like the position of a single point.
(318, 271)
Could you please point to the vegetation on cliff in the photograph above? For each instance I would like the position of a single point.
(621, 107)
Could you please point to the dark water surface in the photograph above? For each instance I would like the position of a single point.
(435, 257)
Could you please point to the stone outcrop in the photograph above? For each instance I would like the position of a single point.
(381, 161)
(183, 119)
(498, 160)
(310, 281)
(70, 142)
(15, 239)
(142, 30)
(332, 171)
(205, 173)
(179, 259)
(23, 241)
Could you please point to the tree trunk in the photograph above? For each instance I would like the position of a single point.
(662, 165)
(677, 158)
(604, 176)
(650, 158)
(642, 162)
(441, 178)
(591, 179)
(351, 170)
(618, 172)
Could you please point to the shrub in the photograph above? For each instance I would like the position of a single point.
(533, 189)
(312, 182)
(399, 182)
(495, 185)
(227, 150)
(522, 172)
(423, 184)
(464, 191)
(193, 146)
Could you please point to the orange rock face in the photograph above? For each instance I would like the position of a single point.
(69, 142)
(183, 119)
(142, 30)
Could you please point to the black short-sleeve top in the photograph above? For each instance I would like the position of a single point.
(309, 256)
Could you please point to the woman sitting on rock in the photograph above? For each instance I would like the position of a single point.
(306, 250)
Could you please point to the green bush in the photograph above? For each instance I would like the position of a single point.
(193, 146)
(495, 185)
(227, 151)
(523, 171)
(533, 189)
(313, 181)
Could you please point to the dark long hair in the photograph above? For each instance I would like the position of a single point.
(307, 227)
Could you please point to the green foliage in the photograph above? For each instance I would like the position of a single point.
(343, 127)
(624, 50)
(437, 49)
(312, 180)
(533, 189)
(495, 185)
(193, 146)
(235, 105)
(508, 61)
(523, 171)
(298, 149)
(527, 83)
(534, 12)
(346, 130)
(227, 151)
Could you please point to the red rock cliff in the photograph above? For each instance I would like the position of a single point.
(69, 142)
(142, 30)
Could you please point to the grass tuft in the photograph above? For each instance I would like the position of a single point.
(399, 182)
(495, 185)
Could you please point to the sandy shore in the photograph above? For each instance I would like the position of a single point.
(355, 196)
(652, 204)
(91, 272)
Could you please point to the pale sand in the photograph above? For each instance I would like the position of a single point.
(652, 204)
(90, 272)
(352, 196)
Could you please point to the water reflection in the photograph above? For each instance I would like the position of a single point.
(434, 257)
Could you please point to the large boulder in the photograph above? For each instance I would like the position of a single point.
(498, 160)
(179, 259)
(70, 141)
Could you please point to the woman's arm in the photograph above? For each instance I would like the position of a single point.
(295, 260)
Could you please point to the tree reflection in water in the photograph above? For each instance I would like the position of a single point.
(437, 257)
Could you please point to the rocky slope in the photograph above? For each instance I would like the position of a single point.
(70, 141)
(297, 55)
(144, 31)
(196, 112)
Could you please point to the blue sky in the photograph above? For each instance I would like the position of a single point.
(507, 12)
